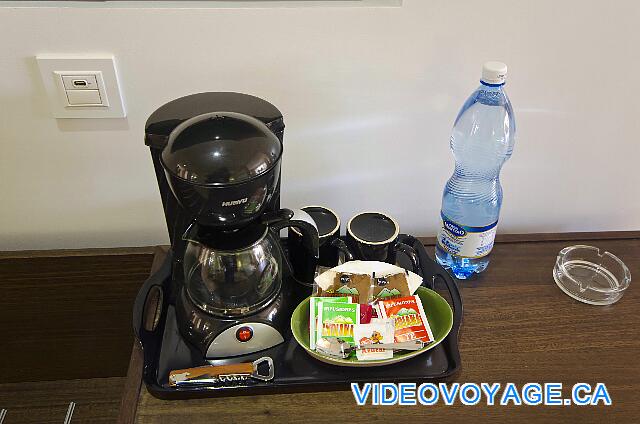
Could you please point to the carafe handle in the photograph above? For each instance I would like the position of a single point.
(310, 241)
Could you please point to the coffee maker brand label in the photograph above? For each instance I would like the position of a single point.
(235, 202)
(464, 241)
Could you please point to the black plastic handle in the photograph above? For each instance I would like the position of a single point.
(342, 248)
(144, 305)
(304, 223)
(410, 252)
(431, 271)
(426, 269)
(301, 220)
(456, 299)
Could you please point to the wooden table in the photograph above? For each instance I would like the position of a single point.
(65, 332)
(518, 327)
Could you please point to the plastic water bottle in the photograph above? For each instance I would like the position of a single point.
(482, 140)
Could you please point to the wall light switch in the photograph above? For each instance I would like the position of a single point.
(81, 86)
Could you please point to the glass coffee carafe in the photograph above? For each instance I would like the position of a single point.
(233, 283)
(236, 273)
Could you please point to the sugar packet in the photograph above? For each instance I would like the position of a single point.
(376, 332)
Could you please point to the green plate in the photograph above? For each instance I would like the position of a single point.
(436, 308)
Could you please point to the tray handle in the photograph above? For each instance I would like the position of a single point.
(456, 298)
(431, 271)
(149, 302)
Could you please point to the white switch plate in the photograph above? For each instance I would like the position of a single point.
(54, 67)
(94, 83)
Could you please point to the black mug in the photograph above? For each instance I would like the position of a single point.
(373, 236)
(331, 246)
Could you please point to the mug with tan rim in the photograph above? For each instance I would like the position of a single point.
(332, 249)
(373, 236)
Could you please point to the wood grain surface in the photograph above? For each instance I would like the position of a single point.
(46, 402)
(68, 317)
(518, 327)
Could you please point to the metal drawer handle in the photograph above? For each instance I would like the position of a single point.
(72, 407)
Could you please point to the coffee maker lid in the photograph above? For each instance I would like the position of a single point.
(221, 148)
(168, 116)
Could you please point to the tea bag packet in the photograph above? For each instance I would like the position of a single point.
(336, 319)
(410, 320)
(314, 303)
(391, 286)
(358, 286)
(376, 332)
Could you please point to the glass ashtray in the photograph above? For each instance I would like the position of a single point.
(589, 276)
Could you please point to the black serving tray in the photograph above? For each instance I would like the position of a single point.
(164, 350)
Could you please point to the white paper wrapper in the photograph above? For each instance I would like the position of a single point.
(382, 269)
(364, 332)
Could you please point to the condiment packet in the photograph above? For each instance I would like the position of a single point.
(314, 303)
(410, 320)
(337, 320)
(377, 331)
(366, 313)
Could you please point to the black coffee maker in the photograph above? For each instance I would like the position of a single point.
(217, 160)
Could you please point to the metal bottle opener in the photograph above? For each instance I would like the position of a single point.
(212, 374)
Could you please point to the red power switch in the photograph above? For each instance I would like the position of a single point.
(244, 334)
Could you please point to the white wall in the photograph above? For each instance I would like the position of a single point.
(369, 96)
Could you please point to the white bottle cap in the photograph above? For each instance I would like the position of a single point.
(494, 72)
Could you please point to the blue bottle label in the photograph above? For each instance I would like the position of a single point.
(465, 241)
